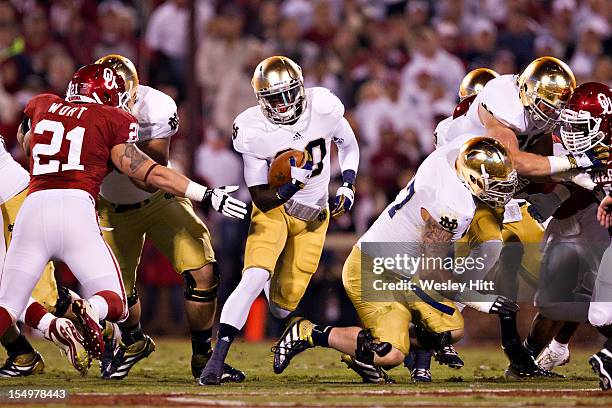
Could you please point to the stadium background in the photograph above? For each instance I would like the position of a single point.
(396, 65)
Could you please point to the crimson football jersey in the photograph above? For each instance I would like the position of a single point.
(71, 142)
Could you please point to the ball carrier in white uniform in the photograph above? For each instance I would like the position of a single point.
(289, 223)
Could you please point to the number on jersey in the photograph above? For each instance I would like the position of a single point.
(410, 192)
(74, 136)
(317, 151)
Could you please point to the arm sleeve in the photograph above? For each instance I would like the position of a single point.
(348, 149)
(255, 171)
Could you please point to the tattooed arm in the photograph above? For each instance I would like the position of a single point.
(436, 245)
(132, 162)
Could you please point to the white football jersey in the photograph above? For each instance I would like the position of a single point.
(437, 188)
(260, 141)
(14, 177)
(500, 96)
(157, 119)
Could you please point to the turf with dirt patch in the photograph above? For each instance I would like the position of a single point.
(315, 378)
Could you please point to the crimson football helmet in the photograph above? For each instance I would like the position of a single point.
(587, 119)
(96, 83)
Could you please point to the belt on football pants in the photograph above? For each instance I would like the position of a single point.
(304, 212)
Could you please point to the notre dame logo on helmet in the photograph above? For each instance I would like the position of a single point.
(234, 131)
(448, 224)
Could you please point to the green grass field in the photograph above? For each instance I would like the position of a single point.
(315, 378)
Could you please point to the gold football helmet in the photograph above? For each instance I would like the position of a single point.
(279, 87)
(474, 81)
(486, 169)
(544, 88)
(127, 70)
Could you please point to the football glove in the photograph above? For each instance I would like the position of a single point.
(599, 155)
(299, 177)
(503, 306)
(227, 205)
(345, 196)
(543, 206)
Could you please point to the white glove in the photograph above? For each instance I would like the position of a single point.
(584, 180)
(224, 203)
(345, 197)
(301, 175)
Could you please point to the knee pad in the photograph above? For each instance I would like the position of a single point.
(600, 314)
(432, 341)
(132, 299)
(278, 311)
(202, 295)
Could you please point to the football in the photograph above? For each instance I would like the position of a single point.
(280, 169)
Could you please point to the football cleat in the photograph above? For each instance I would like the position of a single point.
(369, 373)
(65, 335)
(296, 338)
(90, 327)
(21, 365)
(421, 375)
(448, 356)
(601, 363)
(522, 364)
(112, 337)
(549, 359)
(230, 374)
(126, 357)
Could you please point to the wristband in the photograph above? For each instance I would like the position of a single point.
(560, 164)
(195, 191)
(287, 190)
(348, 176)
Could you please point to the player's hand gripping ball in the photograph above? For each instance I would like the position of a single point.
(280, 168)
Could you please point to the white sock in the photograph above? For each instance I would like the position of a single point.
(557, 347)
(99, 305)
(44, 323)
(236, 308)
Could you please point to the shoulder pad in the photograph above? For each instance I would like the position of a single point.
(324, 102)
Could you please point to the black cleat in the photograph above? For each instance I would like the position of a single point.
(22, 365)
(601, 363)
(296, 338)
(126, 357)
(369, 373)
(421, 375)
(448, 356)
(523, 365)
(230, 374)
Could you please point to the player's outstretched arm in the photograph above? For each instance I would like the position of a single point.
(159, 151)
(527, 164)
(131, 161)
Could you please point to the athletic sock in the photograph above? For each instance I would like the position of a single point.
(200, 341)
(19, 346)
(557, 347)
(131, 334)
(226, 336)
(533, 347)
(422, 359)
(509, 332)
(320, 335)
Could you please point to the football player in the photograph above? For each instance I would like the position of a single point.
(587, 127)
(22, 359)
(433, 211)
(520, 111)
(289, 223)
(131, 212)
(66, 170)
(574, 241)
(419, 360)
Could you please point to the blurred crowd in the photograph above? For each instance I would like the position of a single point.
(396, 65)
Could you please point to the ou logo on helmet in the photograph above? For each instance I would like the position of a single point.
(605, 102)
(110, 81)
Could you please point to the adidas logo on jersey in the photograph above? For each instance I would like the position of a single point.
(297, 136)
